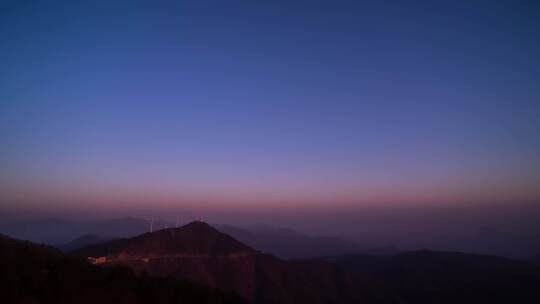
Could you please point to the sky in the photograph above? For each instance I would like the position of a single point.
(254, 105)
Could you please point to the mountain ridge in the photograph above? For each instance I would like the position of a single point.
(195, 238)
(413, 277)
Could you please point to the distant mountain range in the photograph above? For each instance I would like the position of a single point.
(201, 254)
(82, 241)
(60, 231)
(290, 244)
(281, 242)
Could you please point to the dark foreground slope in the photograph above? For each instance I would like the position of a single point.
(536, 259)
(31, 273)
(201, 254)
(435, 277)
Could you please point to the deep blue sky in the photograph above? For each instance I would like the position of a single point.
(269, 102)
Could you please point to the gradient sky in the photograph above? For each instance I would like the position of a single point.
(269, 103)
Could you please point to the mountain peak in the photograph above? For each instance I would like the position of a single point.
(199, 225)
(196, 238)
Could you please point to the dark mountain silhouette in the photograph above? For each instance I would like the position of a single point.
(31, 273)
(201, 254)
(196, 238)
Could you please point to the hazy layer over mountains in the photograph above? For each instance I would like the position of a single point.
(503, 230)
